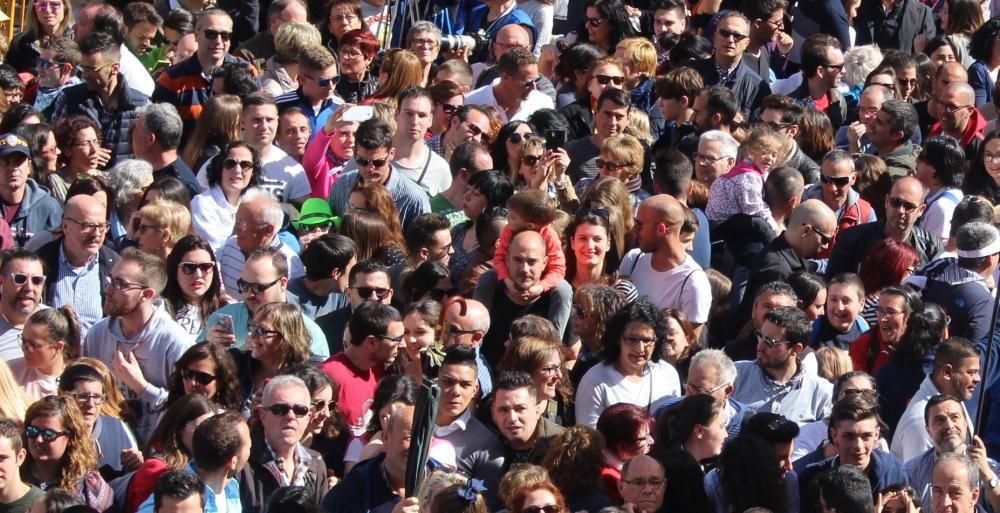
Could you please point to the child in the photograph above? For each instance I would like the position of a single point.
(532, 210)
(740, 191)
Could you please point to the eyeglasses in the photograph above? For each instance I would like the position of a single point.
(610, 166)
(991, 158)
(395, 340)
(94, 69)
(367, 292)
(531, 82)
(255, 288)
(951, 109)
(768, 341)
(887, 86)
(823, 238)
(551, 370)
(89, 227)
(727, 34)
(530, 160)
(777, 127)
(363, 162)
(350, 54)
(84, 398)
(474, 128)
(202, 378)
(30, 345)
(326, 82)
(449, 109)
(440, 295)
(189, 268)
(47, 6)
(346, 18)
(323, 226)
(262, 332)
(634, 341)
(212, 34)
(655, 482)
(606, 79)
(900, 203)
(48, 435)
(329, 406)
(548, 508)
(21, 278)
(243, 224)
(701, 158)
(47, 64)
(882, 313)
(839, 181)
(430, 43)
(121, 285)
(595, 22)
(282, 409)
(834, 66)
(904, 82)
(866, 392)
(699, 390)
(246, 165)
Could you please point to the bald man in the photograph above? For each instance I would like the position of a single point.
(466, 323)
(509, 36)
(506, 300)
(660, 267)
(79, 263)
(928, 110)
(643, 484)
(903, 207)
(959, 117)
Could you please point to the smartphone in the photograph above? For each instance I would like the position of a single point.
(226, 321)
(358, 113)
(555, 139)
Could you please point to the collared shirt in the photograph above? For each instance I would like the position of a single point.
(804, 398)
(911, 438)
(411, 200)
(920, 468)
(484, 96)
(232, 260)
(276, 466)
(724, 74)
(79, 287)
(459, 424)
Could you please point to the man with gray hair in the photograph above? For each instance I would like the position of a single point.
(960, 285)
(892, 128)
(716, 155)
(955, 484)
(836, 190)
(711, 373)
(258, 220)
(156, 136)
(260, 47)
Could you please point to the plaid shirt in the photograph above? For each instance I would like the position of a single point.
(300, 476)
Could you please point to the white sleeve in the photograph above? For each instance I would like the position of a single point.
(589, 398)
(298, 183)
(697, 297)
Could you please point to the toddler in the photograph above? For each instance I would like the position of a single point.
(532, 210)
(741, 190)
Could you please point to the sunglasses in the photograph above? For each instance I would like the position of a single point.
(326, 82)
(903, 204)
(550, 508)
(212, 34)
(531, 82)
(611, 166)
(323, 226)
(605, 79)
(517, 138)
(366, 292)
(189, 268)
(727, 34)
(48, 6)
(202, 378)
(595, 22)
(839, 181)
(599, 212)
(530, 160)
(256, 288)
(834, 66)
(823, 238)
(282, 409)
(48, 435)
(47, 64)
(777, 127)
(768, 341)
(439, 295)
(20, 279)
(363, 162)
(261, 331)
(232, 163)
(448, 108)
(319, 406)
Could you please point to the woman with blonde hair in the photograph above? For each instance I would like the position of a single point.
(832, 363)
(621, 157)
(282, 75)
(46, 18)
(218, 125)
(51, 339)
(278, 340)
(543, 360)
(401, 69)
(373, 238)
(158, 226)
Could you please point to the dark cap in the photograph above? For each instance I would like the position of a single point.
(771, 427)
(12, 143)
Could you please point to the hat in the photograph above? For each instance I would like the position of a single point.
(11, 143)
(314, 211)
(771, 427)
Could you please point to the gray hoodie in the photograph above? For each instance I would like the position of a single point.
(39, 212)
(160, 343)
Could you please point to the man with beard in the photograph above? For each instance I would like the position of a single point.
(777, 381)
(956, 374)
(948, 426)
(79, 263)
(139, 339)
(20, 296)
(959, 117)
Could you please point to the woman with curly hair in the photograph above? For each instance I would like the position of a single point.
(230, 174)
(574, 462)
(62, 453)
(631, 370)
(78, 139)
(593, 306)
(543, 360)
(628, 432)
(208, 369)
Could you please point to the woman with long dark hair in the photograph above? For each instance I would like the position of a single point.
(194, 283)
(208, 369)
(607, 22)
(983, 48)
(731, 487)
(983, 178)
(230, 173)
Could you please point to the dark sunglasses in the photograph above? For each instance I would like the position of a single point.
(457, 332)
(440, 295)
(282, 409)
(261, 331)
(212, 34)
(777, 127)
(531, 83)
(324, 226)
(736, 36)
(605, 79)
(231, 163)
(189, 268)
(839, 181)
(366, 292)
(363, 162)
(768, 341)
(20, 279)
(448, 108)
(48, 435)
(202, 378)
(599, 212)
(595, 22)
(256, 288)
(330, 405)
(834, 66)
(326, 82)
(903, 204)
(530, 160)
(613, 166)
(517, 138)
(550, 508)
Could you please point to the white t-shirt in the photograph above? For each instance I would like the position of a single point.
(684, 287)
(940, 208)
(484, 96)
(281, 176)
(603, 386)
(437, 178)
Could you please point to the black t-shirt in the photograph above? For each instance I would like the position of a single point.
(504, 312)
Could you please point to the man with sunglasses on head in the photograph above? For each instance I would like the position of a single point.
(777, 381)
(822, 69)
(59, 57)
(21, 288)
(727, 68)
(367, 280)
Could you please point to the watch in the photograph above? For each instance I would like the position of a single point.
(993, 483)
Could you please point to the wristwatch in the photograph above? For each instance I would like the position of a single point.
(993, 483)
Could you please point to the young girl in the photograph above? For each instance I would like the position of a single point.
(740, 191)
(532, 210)
(421, 322)
(50, 339)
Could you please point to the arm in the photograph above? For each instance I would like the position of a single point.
(979, 80)
(317, 165)
(500, 254)
(589, 403)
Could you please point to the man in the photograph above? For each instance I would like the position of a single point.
(929, 111)
(845, 489)
(822, 69)
(179, 491)
(771, 295)
(367, 280)
(836, 190)
(955, 484)
(263, 280)
(27, 207)
(956, 374)
(903, 206)
(893, 24)
(467, 159)
(673, 176)
(188, 84)
(376, 335)
(328, 261)
(842, 323)
(776, 381)
(259, 48)
(784, 115)
(669, 16)
(142, 25)
(466, 323)
(79, 264)
(507, 38)
(20, 296)
(317, 79)
(727, 68)
(220, 450)
(643, 484)
(783, 193)
(373, 156)
(940, 170)
(892, 128)
(16, 496)
(715, 108)
(766, 26)
(414, 159)
(959, 117)
(514, 94)
(777, 431)
(457, 71)
(711, 373)
(614, 108)
(507, 301)
(717, 151)
(468, 123)
(660, 267)
(258, 219)
(58, 58)
(278, 459)
(428, 239)
(138, 340)
(156, 136)
(855, 137)
(677, 91)
(855, 431)
(99, 16)
(293, 132)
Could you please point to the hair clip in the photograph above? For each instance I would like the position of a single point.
(470, 492)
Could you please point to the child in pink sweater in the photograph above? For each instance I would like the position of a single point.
(532, 210)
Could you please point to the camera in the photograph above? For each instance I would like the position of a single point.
(456, 42)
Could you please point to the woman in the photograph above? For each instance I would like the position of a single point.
(507, 146)
(622, 157)
(941, 51)
(627, 431)
(574, 460)
(609, 194)
(158, 226)
(423, 352)
(375, 198)
(960, 19)
(905, 66)
(873, 349)
(208, 369)
(810, 289)
(358, 49)
(170, 446)
(487, 190)
(815, 137)
(278, 340)
(543, 360)
(593, 306)
(321, 433)
(607, 23)
(230, 174)
(194, 283)
(884, 76)
(129, 179)
(531, 166)
(78, 139)
(50, 339)
(696, 425)
(401, 69)
(887, 264)
(940, 167)
(328, 152)
(390, 392)
(447, 97)
(428, 280)
(218, 125)
(282, 69)
(538, 498)
(604, 73)
(44, 150)
(45, 18)
(983, 178)
(731, 487)
(373, 238)
(168, 188)
(341, 17)
(984, 49)
(570, 72)
(631, 370)
(61, 453)
(681, 342)
(594, 253)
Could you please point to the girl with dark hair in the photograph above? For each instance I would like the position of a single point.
(194, 283)
(940, 167)
(571, 71)
(50, 340)
(507, 145)
(732, 488)
(810, 288)
(685, 488)
(230, 173)
(873, 349)
(44, 151)
(427, 280)
(168, 188)
(960, 19)
(607, 22)
(696, 425)
(593, 257)
(628, 432)
(488, 189)
(20, 114)
(322, 432)
(423, 353)
(390, 392)
(983, 177)
(983, 49)
(941, 50)
(208, 369)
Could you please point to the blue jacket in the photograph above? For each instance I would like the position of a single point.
(981, 82)
(39, 212)
(748, 87)
(478, 17)
(883, 470)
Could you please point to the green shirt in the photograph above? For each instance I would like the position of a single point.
(23, 505)
(441, 205)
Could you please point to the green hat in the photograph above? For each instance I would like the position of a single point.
(314, 211)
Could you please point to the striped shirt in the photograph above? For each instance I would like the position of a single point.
(411, 200)
(232, 259)
(79, 287)
(186, 86)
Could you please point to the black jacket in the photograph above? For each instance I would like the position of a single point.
(49, 253)
(854, 243)
(776, 262)
(895, 31)
(749, 88)
(580, 118)
(836, 111)
(257, 484)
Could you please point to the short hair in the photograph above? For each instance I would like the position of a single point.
(814, 51)
(316, 57)
(512, 380)
(854, 408)
(163, 121)
(722, 101)
(534, 206)
(936, 400)
(791, 112)
(180, 20)
(510, 62)
(728, 146)
(371, 319)
(363, 39)
(618, 97)
(673, 172)
(762, 9)
(718, 360)
(276, 257)
(847, 489)
(102, 43)
(257, 100)
(850, 279)
(640, 54)
(216, 440)
(367, 267)
(326, 253)
(11, 430)
(272, 213)
(108, 20)
(64, 49)
(493, 184)
(138, 12)
(945, 155)
(422, 26)
(179, 485)
(278, 6)
(460, 355)
(214, 11)
(962, 459)
(952, 352)
(841, 381)
(292, 39)
(904, 117)
(238, 80)
(373, 134)
(413, 92)
(776, 288)
(795, 322)
(464, 156)
(126, 177)
(421, 231)
(151, 268)
(281, 381)
(972, 237)
(782, 184)
(679, 82)
(444, 90)
(459, 70)
(971, 209)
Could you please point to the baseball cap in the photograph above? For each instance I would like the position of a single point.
(771, 427)
(12, 143)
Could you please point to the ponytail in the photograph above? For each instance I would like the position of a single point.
(61, 324)
(677, 423)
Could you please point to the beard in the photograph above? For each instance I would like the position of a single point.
(114, 309)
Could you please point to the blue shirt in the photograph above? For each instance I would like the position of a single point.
(79, 287)
(411, 200)
(231, 497)
(240, 313)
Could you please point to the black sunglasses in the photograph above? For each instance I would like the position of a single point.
(20, 279)
(231, 163)
(202, 378)
(261, 331)
(726, 34)
(48, 435)
(517, 138)
(366, 292)
(282, 409)
(256, 288)
(839, 181)
(440, 295)
(326, 82)
(605, 79)
(363, 162)
(530, 160)
(212, 34)
(599, 212)
(189, 268)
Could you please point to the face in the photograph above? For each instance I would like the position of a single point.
(83, 152)
(991, 159)
(516, 413)
(118, 303)
(765, 303)
(833, 68)
(262, 272)
(426, 46)
(842, 306)
(376, 282)
(10, 463)
(883, 133)
(947, 426)
(49, 72)
(236, 178)
(710, 163)
(187, 45)
(526, 80)
(441, 249)
(704, 380)
(731, 38)
(868, 107)
(855, 441)
(942, 55)
(611, 120)
(530, 163)
(322, 404)
(473, 202)
(140, 36)
(286, 430)
(644, 485)
(604, 77)
(373, 165)
(673, 21)
(713, 436)
(526, 262)
(252, 232)
(892, 318)
(40, 350)
(772, 25)
(547, 377)
(964, 378)
(637, 346)
(522, 130)
(954, 109)
(443, 112)
(293, 134)
(49, 13)
(91, 407)
(539, 499)
(510, 38)
(582, 321)
(342, 140)
(151, 236)
(259, 124)
(24, 298)
(313, 81)
(676, 343)
(598, 28)
(590, 243)
(88, 231)
(417, 335)
(474, 127)
(779, 356)
(904, 205)
(213, 36)
(199, 371)
(387, 346)
(836, 181)
(268, 347)
(950, 490)
(907, 80)
(413, 118)
(43, 451)
(342, 20)
(459, 385)
(817, 307)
